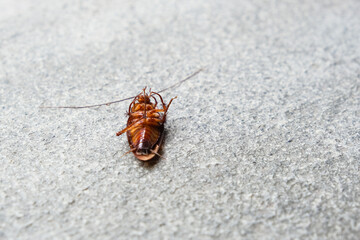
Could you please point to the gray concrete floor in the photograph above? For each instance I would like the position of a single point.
(264, 144)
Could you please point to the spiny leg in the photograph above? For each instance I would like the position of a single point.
(167, 107)
(131, 150)
(128, 128)
(132, 103)
(162, 101)
(152, 151)
(154, 99)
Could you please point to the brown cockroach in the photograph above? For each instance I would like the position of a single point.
(145, 126)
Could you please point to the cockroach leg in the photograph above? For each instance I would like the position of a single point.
(131, 104)
(156, 110)
(154, 100)
(162, 101)
(128, 128)
(131, 150)
(167, 107)
(157, 154)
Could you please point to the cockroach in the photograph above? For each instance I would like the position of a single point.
(145, 125)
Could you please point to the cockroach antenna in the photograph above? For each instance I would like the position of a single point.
(121, 100)
(184, 80)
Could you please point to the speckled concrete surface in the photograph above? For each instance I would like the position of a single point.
(264, 144)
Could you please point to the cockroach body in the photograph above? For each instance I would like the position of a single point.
(145, 126)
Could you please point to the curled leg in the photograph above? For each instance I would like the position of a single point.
(167, 107)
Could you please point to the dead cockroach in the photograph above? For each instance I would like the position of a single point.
(145, 126)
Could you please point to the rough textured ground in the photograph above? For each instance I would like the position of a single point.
(264, 144)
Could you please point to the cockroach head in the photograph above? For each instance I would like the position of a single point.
(143, 98)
